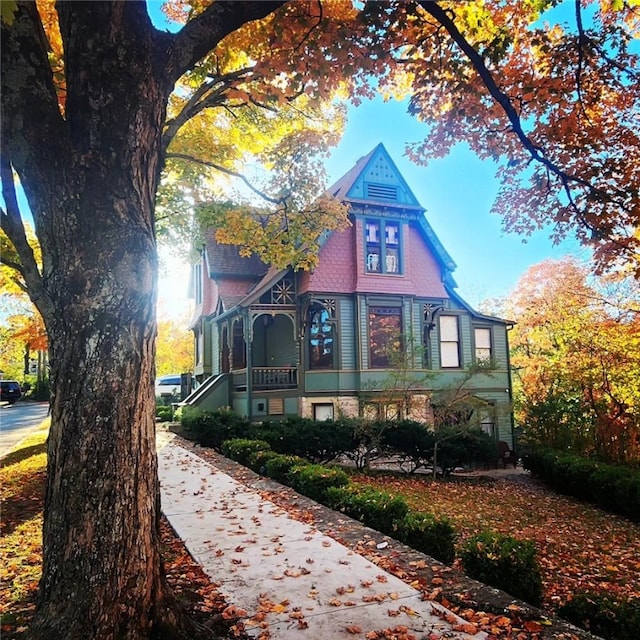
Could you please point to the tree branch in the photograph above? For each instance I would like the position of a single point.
(536, 152)
(209, 94)
(14, 228)
(229, 172)
(202, 34)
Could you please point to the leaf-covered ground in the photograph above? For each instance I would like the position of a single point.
(580, 547)
(22, 483)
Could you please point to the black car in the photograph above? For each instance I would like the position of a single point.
(10, 391)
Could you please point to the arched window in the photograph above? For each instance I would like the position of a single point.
(321, 338)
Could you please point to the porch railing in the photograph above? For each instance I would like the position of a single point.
(274, 378)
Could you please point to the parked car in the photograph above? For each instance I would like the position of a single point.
(168, 387)
(10, 391)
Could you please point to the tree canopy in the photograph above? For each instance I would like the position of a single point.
(576, 358)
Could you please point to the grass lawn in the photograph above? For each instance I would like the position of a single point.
(580, 547)
(22, 485)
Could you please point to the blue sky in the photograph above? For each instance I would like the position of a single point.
(457, 193)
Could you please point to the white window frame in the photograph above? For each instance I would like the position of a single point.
(483, 346)
(449, 327)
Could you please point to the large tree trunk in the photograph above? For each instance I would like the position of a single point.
(90, 169)
(94, 203)
(101, 549)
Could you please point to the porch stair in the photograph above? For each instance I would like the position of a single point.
(212, 394)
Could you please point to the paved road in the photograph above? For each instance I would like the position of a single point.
(17, 420)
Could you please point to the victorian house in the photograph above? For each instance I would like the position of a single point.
(328, 342)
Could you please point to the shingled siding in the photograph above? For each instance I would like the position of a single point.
(336, 268)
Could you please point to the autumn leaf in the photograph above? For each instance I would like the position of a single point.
(353, 629)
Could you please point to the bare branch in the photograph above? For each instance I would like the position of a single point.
(229, 172)
(14, 228)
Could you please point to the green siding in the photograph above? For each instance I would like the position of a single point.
(347, 344)
(364, 332)
(499, 335)
(464, 326)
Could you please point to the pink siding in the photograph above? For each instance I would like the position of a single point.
(335, 272)
(339, 271)
(421, 274)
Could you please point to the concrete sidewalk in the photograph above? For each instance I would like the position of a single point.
(290, 580)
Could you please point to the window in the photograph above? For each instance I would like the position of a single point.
(487, 421)
(483, 344)
(382, 246)
(321, 338)
(449, 342)
(385, 329)
(322, 412)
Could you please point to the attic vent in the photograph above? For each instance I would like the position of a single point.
(382, 192)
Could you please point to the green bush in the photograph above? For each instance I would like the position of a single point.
(614, 488)
(428, 534)
(242, 450)
(412, 441)
(164, 413)
(467, 448)
(376, 509)
(279, 466)
(318, 441)
(258, 460)
(212, 428)
(505, 563)
(604, 616)
(313, 480)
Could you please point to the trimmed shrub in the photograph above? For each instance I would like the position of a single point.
(614, 488)
(313, 480)
(603, 616)
(412, 441)
(258, 461)
(318, 441)
(164, 413)
(212, 428)
(242, 450)
(428, 534)
(376, 509)
(279, 466)
(505, 563)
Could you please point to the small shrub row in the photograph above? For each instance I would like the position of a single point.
(500, 561)
(505, 563)
(425, 533)
(359, 440)
(243, 450)
(616, 489)
(604, 616)
(377, 509)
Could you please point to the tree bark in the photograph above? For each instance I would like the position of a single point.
(90, 172)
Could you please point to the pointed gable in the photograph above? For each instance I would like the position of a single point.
(375, 180)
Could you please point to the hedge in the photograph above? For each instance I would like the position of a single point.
(614, 488)
(314, 480)
(425, 533)
(505, 563)
(604, 616)
(377, 509)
